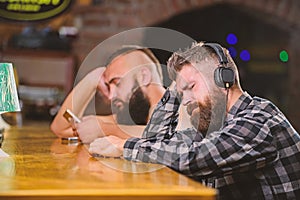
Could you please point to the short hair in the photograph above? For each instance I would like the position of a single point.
(195, 54)
(125, 49)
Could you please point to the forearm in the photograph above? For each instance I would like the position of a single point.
(165, 116)
(161, 149)
(220, 153)
(110, 127)
(84, 91)
(76, 101)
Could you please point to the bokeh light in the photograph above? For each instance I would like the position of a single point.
(284, 56)
(232, 52)
(231, 39)
(245, 55)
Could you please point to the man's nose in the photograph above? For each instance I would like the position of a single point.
(186, 98)
(112, 92)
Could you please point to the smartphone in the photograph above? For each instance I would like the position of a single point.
(70, 140)
(69, 115)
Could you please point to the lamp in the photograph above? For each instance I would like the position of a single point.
(9, 101)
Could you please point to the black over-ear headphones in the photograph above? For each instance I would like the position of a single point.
(223, 75)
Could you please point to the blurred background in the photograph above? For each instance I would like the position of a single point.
(263, 37)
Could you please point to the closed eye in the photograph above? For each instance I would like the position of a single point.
(116, 81)
(191, 86)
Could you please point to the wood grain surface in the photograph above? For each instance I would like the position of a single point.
(41, 167)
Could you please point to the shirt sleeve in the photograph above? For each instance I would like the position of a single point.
(242, 145)
(161, 126)
(165, 116)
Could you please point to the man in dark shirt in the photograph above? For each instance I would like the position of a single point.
(244, 146)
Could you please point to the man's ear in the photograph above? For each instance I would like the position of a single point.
(145, 76)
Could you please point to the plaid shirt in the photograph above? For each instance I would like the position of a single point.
(256, 155)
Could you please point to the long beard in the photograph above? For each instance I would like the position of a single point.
(134, 112)
(208, 116)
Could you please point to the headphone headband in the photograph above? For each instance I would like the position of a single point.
(219, 51)
(224, 76)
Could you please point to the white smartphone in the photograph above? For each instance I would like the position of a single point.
(69, 115)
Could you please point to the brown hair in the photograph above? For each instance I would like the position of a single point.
(196, 53)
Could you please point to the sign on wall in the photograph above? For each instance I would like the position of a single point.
(32, 10)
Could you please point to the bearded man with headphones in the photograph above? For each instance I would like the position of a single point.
(242, 145)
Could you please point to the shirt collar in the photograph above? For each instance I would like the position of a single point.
(241, 104)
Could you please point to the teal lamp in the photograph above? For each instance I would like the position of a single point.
(9, 101)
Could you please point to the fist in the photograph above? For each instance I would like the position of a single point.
(110, 146)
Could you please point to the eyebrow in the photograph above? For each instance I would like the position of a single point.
(114, 80)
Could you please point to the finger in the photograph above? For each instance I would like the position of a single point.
(98, 143)
(95, 150)
(73, 124)
(75, 133)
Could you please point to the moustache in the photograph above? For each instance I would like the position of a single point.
(116, 102)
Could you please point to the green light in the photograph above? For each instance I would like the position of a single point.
(284, 56)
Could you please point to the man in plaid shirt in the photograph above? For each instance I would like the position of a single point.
(244, 146)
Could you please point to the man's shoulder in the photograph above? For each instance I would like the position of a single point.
(259, 109)
(265, 105)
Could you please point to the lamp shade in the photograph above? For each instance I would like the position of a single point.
(9, 101)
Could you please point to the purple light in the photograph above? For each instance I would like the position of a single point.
(245, 55)
(231, 39)
(232, 52)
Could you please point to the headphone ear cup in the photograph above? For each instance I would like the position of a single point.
(224, 77)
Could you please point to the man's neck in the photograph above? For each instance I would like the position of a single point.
(233, 95)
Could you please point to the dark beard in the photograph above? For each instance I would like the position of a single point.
(209, 116)
(136, 111)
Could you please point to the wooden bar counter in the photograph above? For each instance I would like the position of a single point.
(41, 167)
